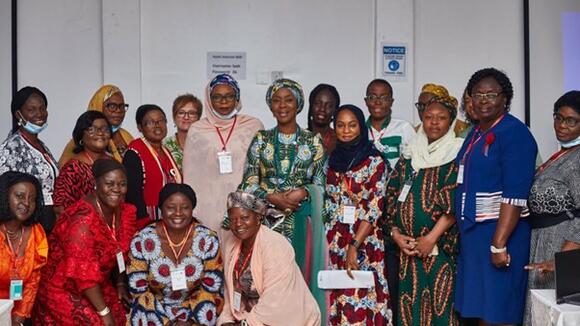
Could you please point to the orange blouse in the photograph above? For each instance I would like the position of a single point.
(28, 268)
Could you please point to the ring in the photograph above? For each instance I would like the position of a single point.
(287, 211)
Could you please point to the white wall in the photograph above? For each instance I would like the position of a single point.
(156, 50)
(5, 67)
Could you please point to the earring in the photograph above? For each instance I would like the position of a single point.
(81, 142)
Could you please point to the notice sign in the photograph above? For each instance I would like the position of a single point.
(394, 60)
(233, 63)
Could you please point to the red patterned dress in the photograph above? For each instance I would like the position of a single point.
(364, 186)
(82, 254)
(75, 181)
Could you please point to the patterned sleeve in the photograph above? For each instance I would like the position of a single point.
(137, 270)
(518, 156)
(392, 193)
(318, 166)
(208, 302)
(373, 199)
(66, 185)
(252, 176)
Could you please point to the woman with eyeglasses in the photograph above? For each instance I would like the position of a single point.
(495, 174)
(91, 136)
(215, 149)
(555, 197)
(149, 164)
(110, 101)
(23, 151)
(187, 109)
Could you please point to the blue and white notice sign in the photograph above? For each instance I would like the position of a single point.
(394, 62)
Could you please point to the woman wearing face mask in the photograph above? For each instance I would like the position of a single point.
(23, 150)
(109, 100)
(355, 188)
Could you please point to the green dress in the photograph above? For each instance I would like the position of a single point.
(426, 285)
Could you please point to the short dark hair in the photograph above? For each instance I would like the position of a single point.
(381, 82)
(500, 77)
(182, 100)
(84, 122)
(319, 88)
(571, 99)
(103, 166)
(7, 180)
(144, 109)
(173, 188)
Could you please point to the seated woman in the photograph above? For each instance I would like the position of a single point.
(323, 103)
(186, 110)
(23, 245)
(355, 188)
(555, 198)
(91, 136)
(149, 164)
(175, 271)
(84, 278)
(109, 100)
(263, 283)
(421, 218)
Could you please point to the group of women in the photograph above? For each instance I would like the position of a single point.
(118, 235)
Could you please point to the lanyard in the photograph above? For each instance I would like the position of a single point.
(381, 133)
(474, 141)
(174, 172)
(181, 244)
(555, 157)
(224, 143)
(43, 152)
(240, 268)
(113, 231)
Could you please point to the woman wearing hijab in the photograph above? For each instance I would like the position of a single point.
(263, 283)
(355, 188)
(215, 149)
(23, 151)
(110, 101)
(429, 91)
(421, 218)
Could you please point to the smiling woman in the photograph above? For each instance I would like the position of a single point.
(323, 103)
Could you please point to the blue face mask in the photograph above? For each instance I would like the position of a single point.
(115, 128)
(571, 143)
(31, 127)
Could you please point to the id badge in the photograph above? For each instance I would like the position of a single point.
(178, 281)
(348, 214)
(16, 289)
(120, 262)
(405, 191)
(48, 199)
(460, 174)
(237, 301)
(225, 162)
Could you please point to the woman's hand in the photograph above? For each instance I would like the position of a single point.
(406, 243)
(108, 319)
(297, 195)
(351, 260)
(501, 260)
(544, 267)
(425, 245)
(282, 201)
(124, 296)
(17, 321)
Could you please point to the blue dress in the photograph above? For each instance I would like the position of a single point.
(499, 168)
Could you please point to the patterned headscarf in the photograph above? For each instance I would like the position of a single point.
(292, 86)
(247, 201)
(439, 91)
(101, 96)
(449, 102)
(225, 79)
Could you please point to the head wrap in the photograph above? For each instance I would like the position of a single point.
(225, 79)
(449, 102)
(101, 96)
(20, 98)
(348, 155)
(292, 86)
(247, 201)
(222, 79)
(172, 188)
(103, 166)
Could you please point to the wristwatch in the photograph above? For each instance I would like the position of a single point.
(354, 242)
(495, 250)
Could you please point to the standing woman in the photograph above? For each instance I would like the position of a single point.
(23, 245)
(216, 147)
(323, 103)
(84, 280)
(110, 101)
(496, 170)
(421, 218)
(186, 110)
(355, 188)
(23, 150)
(149, 164)
(91, 136)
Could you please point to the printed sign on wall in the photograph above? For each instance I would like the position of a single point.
(394, 62)
(233, 63)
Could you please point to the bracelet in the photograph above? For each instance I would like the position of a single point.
(104, 312)
(495, 250)
(355, 243)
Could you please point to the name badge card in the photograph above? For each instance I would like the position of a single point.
(237, 300)
(16, 289)
(405, 191)
(120, 262)
(348, 214)
(460, 173)
(178, 281)
(225, 162)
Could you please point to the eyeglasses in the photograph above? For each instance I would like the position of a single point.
(485, 96)
(151, 123)
(220, 98)
(374, 98)
(121, 107)
(420, 106)
(569, 121)
(190, 114)
(102, 130)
